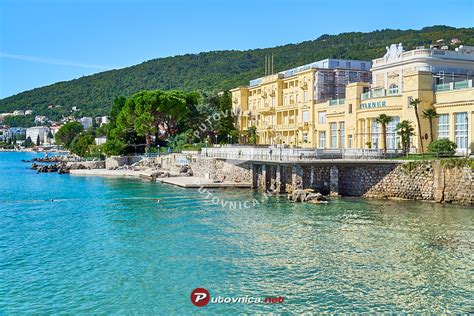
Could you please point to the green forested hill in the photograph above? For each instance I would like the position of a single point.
(217, 70)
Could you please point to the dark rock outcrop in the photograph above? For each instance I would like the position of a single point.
(306, 195)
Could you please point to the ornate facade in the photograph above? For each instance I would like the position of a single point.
(288, 109)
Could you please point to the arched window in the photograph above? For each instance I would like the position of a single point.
(393, 89)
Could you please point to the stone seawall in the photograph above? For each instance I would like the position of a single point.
(430, 181)
(210, 168)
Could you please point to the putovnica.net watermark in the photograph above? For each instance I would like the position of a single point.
(230, 204)
(215, 117)
(201, 297)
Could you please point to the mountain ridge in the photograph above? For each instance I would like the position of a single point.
(216, 70)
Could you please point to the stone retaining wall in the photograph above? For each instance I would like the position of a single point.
(210, 168)
(119, 161)
(86, 164)
(428, 181)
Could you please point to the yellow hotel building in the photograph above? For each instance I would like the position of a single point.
(296, 108)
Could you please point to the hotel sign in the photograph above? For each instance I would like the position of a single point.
(372, 105)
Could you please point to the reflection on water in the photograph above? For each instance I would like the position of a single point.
(101, 246)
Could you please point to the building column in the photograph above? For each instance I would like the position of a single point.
(334, 181)
(368, 129)
(263, 179)
(280, 179)
(297, 177)
(254, 176)
(452, 127)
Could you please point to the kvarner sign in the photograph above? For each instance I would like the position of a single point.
(375, 104)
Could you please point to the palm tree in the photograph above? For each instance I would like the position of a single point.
(383, 120)
(430, 114)
(415, 103)
(405, 130)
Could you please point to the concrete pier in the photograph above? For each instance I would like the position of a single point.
(327, 177)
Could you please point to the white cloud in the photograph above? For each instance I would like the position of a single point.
(54, 61)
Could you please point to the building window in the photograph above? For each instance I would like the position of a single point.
(305, 96)
(443, 126)
(393, 139)
(460, 130)
(342, 132)
(321, 117)
(305, 116)
(333, 127)
(284, 100)
(322, 139)
(296, 98)
(375, 134)
(349, 141)
(364, 130)
(350, 108)
(393, 89)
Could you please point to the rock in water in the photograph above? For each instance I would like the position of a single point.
(306, 195)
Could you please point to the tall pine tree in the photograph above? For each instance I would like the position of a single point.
(225, 125)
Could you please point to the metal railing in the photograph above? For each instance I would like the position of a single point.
(374, 93)
(465, 84)
(297, 154)
(336, 102)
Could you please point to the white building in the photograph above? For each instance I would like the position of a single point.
(18, 112)
(100, 140)
(40, 119)
(101, 120)
(86, 122)
(445, 65)
(28, 112)
(34, 132)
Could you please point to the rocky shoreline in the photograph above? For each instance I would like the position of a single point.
(60, 168)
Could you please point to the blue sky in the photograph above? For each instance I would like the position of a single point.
(42, 42)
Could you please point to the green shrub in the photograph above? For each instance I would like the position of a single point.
(410, 166)
(457, 163)
(442, 147)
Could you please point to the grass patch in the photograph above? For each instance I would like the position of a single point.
(419, 157)
(450, 163)
(410, 166)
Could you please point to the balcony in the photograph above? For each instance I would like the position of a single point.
(267, 110)
(374, 93)
(466, 84)
(336, 102)
(303, 85)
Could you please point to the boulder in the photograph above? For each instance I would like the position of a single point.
(185, 171)
(306, 195)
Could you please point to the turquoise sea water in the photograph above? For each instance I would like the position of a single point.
(101, 247)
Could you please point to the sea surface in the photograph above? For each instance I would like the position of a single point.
(92, 245)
